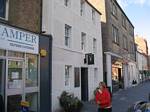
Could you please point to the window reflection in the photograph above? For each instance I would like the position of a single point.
(32, 71)
(32, 98)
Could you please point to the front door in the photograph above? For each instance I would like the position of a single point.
(84, 84)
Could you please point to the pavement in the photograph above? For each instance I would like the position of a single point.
(123, 99)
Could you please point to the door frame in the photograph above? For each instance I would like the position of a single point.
(85, 87)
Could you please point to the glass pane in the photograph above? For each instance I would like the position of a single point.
(32, 70)
(2, 52)
(32, 98)
(13, 103)
(15, 54)
(2, 75)
(2, 8)
(15, 74)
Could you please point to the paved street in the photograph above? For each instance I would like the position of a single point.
(124, 98)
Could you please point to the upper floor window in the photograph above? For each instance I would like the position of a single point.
(67, 35)
(124, 21)
(115, 34)
(67, 2)
(114, 9)
(125, 43)
(2, 8)
(93, 15)
(132, 48)
(83, 41)
(82, 7)
(94, 45)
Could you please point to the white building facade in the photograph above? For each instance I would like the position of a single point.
(142, 62)
(76, 30)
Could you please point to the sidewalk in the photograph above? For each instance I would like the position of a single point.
(124, 98)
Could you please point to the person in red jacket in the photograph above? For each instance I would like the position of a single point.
(103, 98)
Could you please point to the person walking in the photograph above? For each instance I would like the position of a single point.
(103, 98)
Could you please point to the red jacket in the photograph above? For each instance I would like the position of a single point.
(104, 98)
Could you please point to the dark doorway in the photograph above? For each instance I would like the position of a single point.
(120, 78)
(2, 77)
(84, 84)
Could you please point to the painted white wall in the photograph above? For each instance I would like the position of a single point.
(132, 73)
(55, 16)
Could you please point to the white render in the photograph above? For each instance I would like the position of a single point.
(55, 16)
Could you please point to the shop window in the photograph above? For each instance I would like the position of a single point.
(2, 52)
(2, 8)
(32, 98)
(76, 77)
(32, 70)
(15, 74)
(15, 54)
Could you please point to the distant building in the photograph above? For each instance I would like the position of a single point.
(142, 57)
(77, 65)
(118, 45)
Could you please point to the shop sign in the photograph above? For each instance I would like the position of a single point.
(18, 40)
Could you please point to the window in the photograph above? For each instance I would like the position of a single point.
(67, 35)
(76, 77)
(2, 8)
(115, 34)
(125, 43)
(83, 41)
(67, 74)
(124, 21)
(67, 2)
(132, 47)
(31, 70)
(95, 75)
(114, 10)
(82, 10)
(94, 45)
(93, 15)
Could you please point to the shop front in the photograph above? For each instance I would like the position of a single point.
(19, 68)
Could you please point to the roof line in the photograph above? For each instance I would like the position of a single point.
(93, 7)
(123, 12)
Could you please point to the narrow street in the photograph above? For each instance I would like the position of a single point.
(124, 98)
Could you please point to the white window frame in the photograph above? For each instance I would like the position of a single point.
(6, 10)
(94, 45)
(83, 41)
(67, 3)
(68, 35)
(93, 15)
(82, 7)
(67, 75)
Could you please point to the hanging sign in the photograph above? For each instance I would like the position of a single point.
(14, 39)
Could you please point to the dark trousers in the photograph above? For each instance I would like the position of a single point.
(105, 110)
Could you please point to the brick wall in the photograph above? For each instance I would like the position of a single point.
(25, 14)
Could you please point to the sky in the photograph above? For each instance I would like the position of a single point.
(138, 11)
